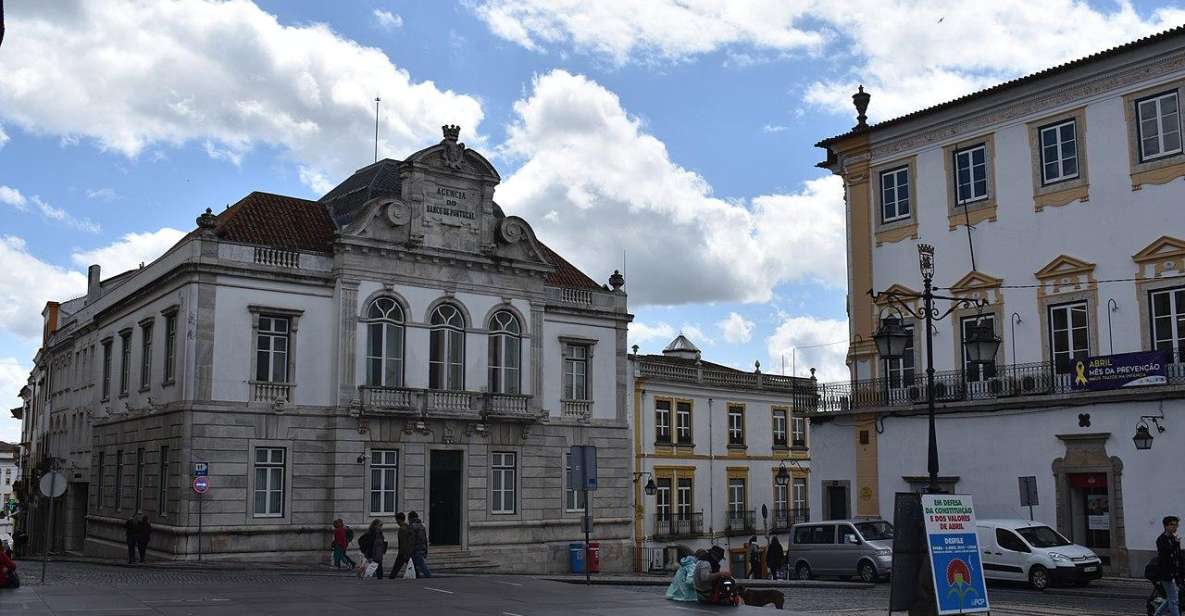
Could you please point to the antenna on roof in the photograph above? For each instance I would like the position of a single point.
(377, 100)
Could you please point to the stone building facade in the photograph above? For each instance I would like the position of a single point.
(1056, 199)
(400, 344)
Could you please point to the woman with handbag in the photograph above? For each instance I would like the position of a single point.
(374, 547)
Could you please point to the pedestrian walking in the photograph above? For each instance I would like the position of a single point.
(403, 551)
(131, 531)
(374, 546)
(1168, 555)
(753, 550)
(8, 577)
(419, 545)
(341, 541)
(19, 540)
(774, 557)
(143, 535)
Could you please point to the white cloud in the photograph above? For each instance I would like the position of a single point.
(3, 137)
(890, 45)
(642, 334)
(26, 283)
(805, 342)
(388, 20)
(13, 197)
(226, 74)
(590, 163)
(773, 129)
(129, 251)
(662, 29)
(319, 182)
(102, 194)
(736, 328)
(13, 376)
(894, 46)
(696, 335)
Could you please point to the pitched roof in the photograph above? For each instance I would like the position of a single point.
(680, 344)
(277, 221)
(290, 223)
(1015, 83)
(346, 199)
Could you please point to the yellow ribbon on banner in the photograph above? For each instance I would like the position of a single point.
(1081, 378)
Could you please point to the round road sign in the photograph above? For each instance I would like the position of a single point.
(201, 484)
(53, 484)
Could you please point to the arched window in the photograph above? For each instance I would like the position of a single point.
(505, 353)
(384, 343)
(446, 356)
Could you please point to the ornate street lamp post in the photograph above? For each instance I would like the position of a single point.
(891, 339)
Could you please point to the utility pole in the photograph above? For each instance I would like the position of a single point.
(377, 100)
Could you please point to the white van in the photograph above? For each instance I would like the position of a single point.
(1022, 550)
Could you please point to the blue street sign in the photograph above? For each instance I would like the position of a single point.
(201, 469)
(954, 554)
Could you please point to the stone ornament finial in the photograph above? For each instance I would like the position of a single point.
(454, 152)
(616, 280)
(860, 100)
(451, 132)
(206, 222)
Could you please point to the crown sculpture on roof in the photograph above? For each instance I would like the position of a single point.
(454, 152)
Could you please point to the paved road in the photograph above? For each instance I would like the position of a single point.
(81, 588)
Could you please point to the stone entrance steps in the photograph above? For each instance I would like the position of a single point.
(452, 558)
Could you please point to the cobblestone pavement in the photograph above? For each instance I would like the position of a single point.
(85, 588)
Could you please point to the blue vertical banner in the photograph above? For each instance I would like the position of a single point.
(954, 554)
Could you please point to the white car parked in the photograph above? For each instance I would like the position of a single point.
(1023, 550)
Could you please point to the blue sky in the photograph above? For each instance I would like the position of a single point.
(676, 136)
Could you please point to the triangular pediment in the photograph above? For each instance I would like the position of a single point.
(977, 280)
(896, 289)
(1064, 265)
(1163, 248)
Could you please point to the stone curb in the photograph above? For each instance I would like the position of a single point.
(666, 580)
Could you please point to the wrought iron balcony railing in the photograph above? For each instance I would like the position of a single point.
(785, 518)
(678, 525)
(995, 382)
(740, 522)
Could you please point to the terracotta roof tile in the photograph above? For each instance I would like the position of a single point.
(277, 221)
(566, 275)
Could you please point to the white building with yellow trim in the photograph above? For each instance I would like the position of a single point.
(1057, 197)
(713, 438)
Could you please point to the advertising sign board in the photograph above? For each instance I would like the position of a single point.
(1104, 372)
(954, 554)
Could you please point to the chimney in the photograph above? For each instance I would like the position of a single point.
(92, 284)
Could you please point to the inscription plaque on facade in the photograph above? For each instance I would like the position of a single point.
(451, 205)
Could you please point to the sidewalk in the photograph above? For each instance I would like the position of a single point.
(615, 579)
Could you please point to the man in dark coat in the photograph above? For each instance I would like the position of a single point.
(1168, 555)
(131, 531)
(143, 534)
(403, 553)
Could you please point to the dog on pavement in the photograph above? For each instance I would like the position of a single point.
(761, 597)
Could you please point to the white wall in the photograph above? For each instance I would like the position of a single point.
(602, 370)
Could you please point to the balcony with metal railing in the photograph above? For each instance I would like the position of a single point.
(998, 383)
(678, 525)
(740, 522)
(783, 519)
(445, 404)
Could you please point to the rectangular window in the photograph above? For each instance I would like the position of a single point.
(1168, 323)
(975, 372)
(895, 194)
(736, 425)
(798, 431)
(576, 372)
(798, 495)
(662, 421)
(971, 174)
(106, 369)
(781, 499)
(1158, 120)
(1059, 152)
(139, 479)
(269, 481)
(1069, 338)
(683, 498)
(170, 347)
(145, 355)
(503, 484)
(100, 480)
(683, 422)
(118, 479)
(162, 480)
(662, 498)
(900, 370)
(384, 481)
(125, 359)
(779, 421)
(573, 498)
(736, 494)
(271, 349)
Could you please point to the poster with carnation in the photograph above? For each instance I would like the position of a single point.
(954, 554)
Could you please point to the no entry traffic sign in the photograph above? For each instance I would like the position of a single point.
(201, 485)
